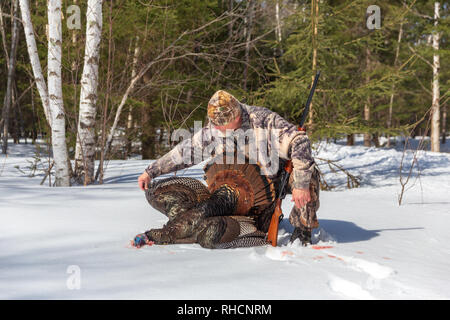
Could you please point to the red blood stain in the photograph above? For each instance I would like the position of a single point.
(334, 257)
(287, 253)
(317, 258)
(321, 247)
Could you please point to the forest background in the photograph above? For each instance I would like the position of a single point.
(118, 77)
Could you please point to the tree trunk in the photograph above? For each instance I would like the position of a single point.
(367, 136)
(230, 10)
(85, 146)
(278, 21)
(151, 142)
(391, 100)
(130, 111)
(444, 124)
(2, 32)
(55, 94)
(74, 42)
(248, 37)
(435, 114)
(11, 75)
(376, 140)
(34, 118)
(148, 144)
(34, 58)
(350, 139)
(278, 35)
(314, 22)
(19, 122)
(100, 170)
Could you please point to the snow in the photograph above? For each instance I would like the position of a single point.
(367, 246)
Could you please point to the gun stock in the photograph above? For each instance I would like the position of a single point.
(277, 216)
(272, 234)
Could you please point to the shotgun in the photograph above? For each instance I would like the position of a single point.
(277, 216)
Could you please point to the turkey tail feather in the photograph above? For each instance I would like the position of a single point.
(252, 187)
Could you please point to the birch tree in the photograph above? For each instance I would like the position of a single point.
(56, 104)
(85, 146)
(34, 58)
(130, 119)
(278, 21)
(278, 34)
(435, 112)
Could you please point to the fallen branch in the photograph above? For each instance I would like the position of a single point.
(352, 180)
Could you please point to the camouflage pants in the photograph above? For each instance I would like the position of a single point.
(306, 217)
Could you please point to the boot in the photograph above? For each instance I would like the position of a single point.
(304, 234)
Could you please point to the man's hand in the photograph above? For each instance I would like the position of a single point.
(301, 197)
(144, 181)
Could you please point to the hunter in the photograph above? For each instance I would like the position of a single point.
(226, 113)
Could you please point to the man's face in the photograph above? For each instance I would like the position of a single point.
(235, 124)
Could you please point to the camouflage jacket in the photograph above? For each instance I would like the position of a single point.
(288, 144)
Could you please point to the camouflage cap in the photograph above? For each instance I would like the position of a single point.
(223, 108)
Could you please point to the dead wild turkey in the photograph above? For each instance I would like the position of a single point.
(226, 214)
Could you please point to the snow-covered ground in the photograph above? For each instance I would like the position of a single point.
(367, 247)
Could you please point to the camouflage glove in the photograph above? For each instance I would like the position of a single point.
(141, 240)
(304, 234)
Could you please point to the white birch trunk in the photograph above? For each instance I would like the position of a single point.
(55, 94)
(130, 120)
(34, 58)
(85, 146)
(435, 115)
(133, 74)
(278, 21)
